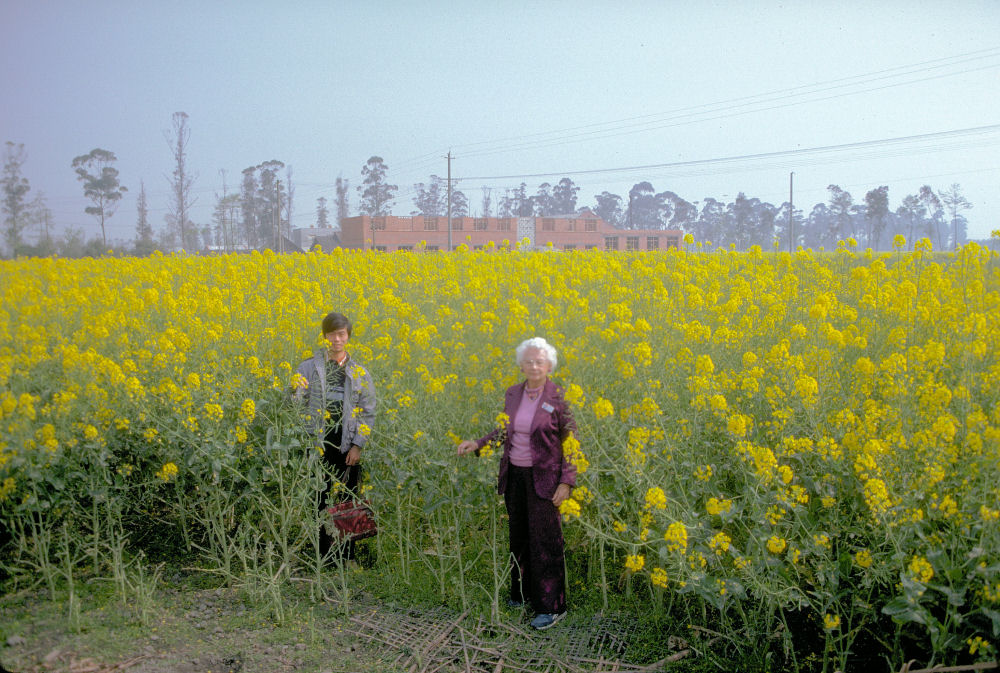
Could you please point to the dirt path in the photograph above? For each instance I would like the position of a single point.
(212, 631)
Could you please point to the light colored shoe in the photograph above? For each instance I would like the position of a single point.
(546, 620)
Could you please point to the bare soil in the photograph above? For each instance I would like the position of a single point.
(216, 631)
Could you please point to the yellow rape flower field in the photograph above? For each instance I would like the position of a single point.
(800, 452)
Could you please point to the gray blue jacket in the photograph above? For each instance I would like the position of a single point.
(359, 399)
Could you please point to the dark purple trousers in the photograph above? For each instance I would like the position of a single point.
(537, 571)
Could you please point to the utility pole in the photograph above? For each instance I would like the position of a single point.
(791, 215)
(229, 231)
(233, 238)
(46, 221)
(278, 241)
(448, 157)
(225, 225)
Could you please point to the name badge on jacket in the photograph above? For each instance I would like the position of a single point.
(548, 407)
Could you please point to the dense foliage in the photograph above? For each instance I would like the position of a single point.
(796, 445)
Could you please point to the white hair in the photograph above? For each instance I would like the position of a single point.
(541, 344)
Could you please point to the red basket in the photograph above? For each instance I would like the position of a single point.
(350, 520)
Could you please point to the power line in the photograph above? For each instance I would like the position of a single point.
(615, 133)
(979, 130)
(414, 166)
(769, 95)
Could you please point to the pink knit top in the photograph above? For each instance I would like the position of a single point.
(520, 444)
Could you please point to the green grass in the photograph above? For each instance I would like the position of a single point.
(195, 624)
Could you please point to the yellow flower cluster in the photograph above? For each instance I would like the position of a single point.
(603, 408)
(168, 472)
(720, 543)
(655, 499)
(978, 644)
(920, 569)
(574, 394)
(574, 454)
(676, 537)
(863, 558)
(703, 472)
(638, 439)
(569, 508)
(877, 496)
(635, 562)
(7, 488)
(714, 506)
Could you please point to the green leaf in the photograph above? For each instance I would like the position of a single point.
(896, 606)
(956, 597)
(994, 616)
(902, 610)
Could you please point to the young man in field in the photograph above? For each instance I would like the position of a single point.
(339, 398)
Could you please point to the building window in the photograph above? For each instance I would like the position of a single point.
(381, 248)
(610, 242)
(631, 242)
(478, 247)
(570, 225)
(569, 246)
(548, 224)
(503, 224)
(672, 241)
(432, 248)
(430, 223)
(590, 225)
(456, 224)
(405, 247)
(590, 246)
(481, 223)
(652, 243)
(378, 223)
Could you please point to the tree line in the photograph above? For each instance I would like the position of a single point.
(746, 221)
(102, 187)
(259, 212)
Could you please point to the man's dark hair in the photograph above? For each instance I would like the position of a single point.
(335, 321)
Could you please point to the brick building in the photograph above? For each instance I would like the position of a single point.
(577, 231)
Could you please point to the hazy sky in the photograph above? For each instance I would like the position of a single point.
(512, 89)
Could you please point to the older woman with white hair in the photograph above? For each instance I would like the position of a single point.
(535, 478)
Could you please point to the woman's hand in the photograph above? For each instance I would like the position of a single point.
(353, 456)
(562, 492)
(468, 446)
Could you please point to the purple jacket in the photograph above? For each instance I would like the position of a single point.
(552, 423)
